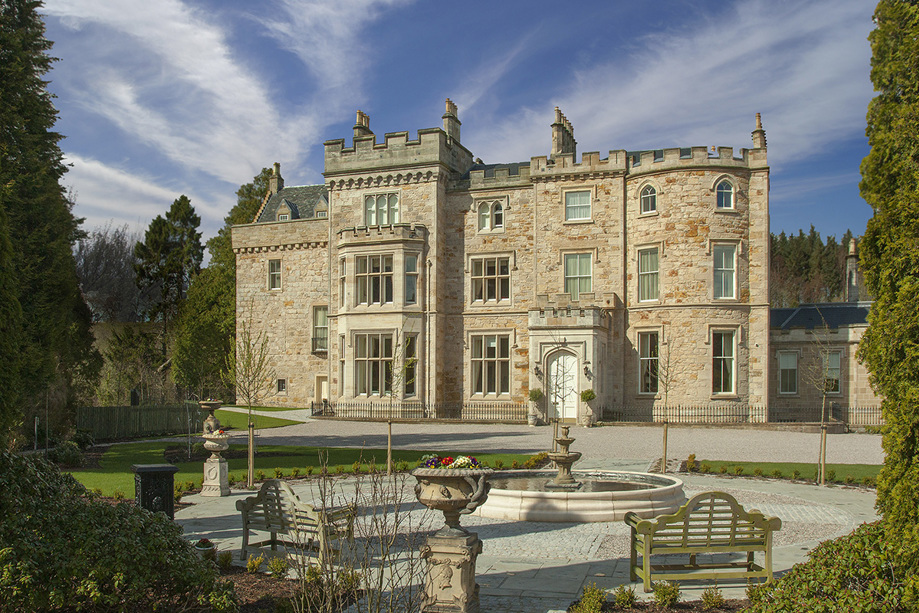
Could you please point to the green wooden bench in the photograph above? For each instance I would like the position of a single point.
(709, 523)
(276, 509)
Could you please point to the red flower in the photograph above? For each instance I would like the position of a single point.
(447, 461)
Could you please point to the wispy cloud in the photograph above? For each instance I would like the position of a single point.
(802, 65)
(481, 80)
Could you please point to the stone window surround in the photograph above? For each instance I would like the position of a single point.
(281, 387)
(496, 255)
(320, 331)
(735, 193)
(639, 332)
(659, 246)
(592, 194)
(737, 331)
(391, 212)
(842, 354)
(797, 355)
(492, 204)
(371, 362)
(645, 184)
(511, 334)
(594, 259)
(737, 244)
(274, 276)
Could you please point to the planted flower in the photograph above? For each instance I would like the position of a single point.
(435, 461)
(204, 544)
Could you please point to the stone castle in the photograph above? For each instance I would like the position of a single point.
(419, 275)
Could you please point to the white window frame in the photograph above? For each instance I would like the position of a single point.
(573, 284)
(649, 361)
(827, 371)
(411, 278)
(491, 215)
(366, 280)
(490, 371)
(569, 213)
(725, 199)
(719, 359)
(481, 281)
(320, 329)
(284, 217)
(381, 209)
(719, 272)
(651, 276)
(791, 390)
(647, 199)
(373, 365)
(274, 276)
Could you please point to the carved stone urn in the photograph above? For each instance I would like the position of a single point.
(216, 474)
(455, 491)
(451, 552)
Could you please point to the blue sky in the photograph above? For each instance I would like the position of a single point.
(159, 98)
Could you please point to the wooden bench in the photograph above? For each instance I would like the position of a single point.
(276, 509)
(709, 523)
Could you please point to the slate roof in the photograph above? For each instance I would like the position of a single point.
(302, 201)
(810, 316)
(513, 169)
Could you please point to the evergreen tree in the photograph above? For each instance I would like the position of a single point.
(168, 258)
(10, 339)
(207, 326)
(890, 262)
(56, 350)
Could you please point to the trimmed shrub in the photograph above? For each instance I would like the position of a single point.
(537, 461)
(225, 561)
(705, 468)
(62, 549)
(254, 563)
(691, 463)
(738, 470)
(857, 573)
(66, 454)
(84, 439)
(666, 593)
(777, 474)
(278, 473)
(757, 472)
(723, 469)
(830, 475)
(592, 599)
(259, 475)
(499, 464)
(278, 567)
(796, 474)
(624, 597)
(712, 598)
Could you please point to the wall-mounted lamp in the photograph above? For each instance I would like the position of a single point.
(587, 368)
(538, 371)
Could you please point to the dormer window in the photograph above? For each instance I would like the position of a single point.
(322, 214)
(283, 217)
(381, 209)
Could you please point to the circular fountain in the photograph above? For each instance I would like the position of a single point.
(582, 496)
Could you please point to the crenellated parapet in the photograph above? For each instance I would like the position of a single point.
(395, 233)
(281, 236)
(433, 146)
(564, 167)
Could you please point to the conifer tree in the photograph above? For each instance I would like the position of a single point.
(56, 349)
(890, 262)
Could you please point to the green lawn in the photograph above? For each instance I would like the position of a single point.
(858, 472)
(274, 409)
(239, 421)
(115, 471)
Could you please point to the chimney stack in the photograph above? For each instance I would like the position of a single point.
(563, 136)
(275, 181)
(852, 284)
(451, 121)
(362, 125)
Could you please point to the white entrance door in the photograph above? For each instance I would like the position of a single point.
(322, 388)
(563, 386)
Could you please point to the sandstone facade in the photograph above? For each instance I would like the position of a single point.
(421, 272)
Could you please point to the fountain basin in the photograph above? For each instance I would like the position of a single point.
(645, 494)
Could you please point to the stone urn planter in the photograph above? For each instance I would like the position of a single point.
(206, 550)
(455, 491)
(211, 423)
(451, 552)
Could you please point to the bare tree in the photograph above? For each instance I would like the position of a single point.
(248, 370)
(403, 372)
(817, 376)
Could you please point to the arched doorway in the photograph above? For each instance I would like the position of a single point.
(562, 388)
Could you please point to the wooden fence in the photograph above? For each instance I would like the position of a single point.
(113, 423)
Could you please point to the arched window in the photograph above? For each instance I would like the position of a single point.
(498, 216)
(648, 199)
(725, 193)
(484, 216)
(381, 210)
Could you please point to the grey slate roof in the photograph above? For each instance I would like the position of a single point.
(302, 201)
(513, 169)
(810, 316)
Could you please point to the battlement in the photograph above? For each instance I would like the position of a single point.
(656, 160)
(432, 146)
(399, 232)
(565, 166)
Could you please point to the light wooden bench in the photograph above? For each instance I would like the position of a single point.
(709, 523)
(276, 509)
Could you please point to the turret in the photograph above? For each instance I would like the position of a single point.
(451, 121)
(759, 135)
(563, 136)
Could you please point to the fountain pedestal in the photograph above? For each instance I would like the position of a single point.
(563, 460)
